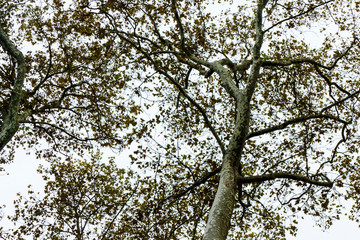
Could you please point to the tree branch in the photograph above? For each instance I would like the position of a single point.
(193, 102)
(316, 64)
(330, 83)
(295, 61)
(293, 121)
(283, 175)
(158, 69)
(297, 15)
(109, 225)
(62, 130)
(202, 180)
(340, 101)
(10, 124)
(180, 26)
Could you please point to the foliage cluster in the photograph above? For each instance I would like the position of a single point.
(240, 120)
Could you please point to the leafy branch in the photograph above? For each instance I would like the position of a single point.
(294, 121)
(284, 175)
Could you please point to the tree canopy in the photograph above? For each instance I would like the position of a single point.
(82, 199)
(242, 115)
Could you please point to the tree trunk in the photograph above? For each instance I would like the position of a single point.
(220, 214)
(10, 119)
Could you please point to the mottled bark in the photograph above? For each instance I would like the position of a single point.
(10, 117)
(220, 214)
(218, 224)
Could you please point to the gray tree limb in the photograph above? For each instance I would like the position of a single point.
(10, 119)
(283, 175)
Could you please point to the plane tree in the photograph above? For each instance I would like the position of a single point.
(246, 114)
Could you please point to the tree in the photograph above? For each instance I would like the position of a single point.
(81, 200)
(240, 103)
(47, 95)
